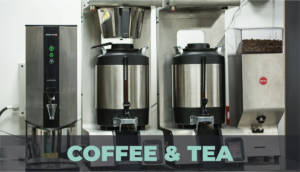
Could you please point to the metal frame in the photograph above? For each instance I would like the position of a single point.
(162, 3)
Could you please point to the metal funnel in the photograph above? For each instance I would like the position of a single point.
(121, 22)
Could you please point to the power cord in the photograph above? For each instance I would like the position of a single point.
(3, 110)
(8, 107)
(14, 108)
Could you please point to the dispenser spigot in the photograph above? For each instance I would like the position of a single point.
(51, 99)
(126, 106)
(203, 110)
(204, 118)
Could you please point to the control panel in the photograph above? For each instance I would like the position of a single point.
(51, 76)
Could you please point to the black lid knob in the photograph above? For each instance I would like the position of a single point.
(198, 46)
(261, 119)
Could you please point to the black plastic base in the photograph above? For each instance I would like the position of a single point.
(105, 117)
(182, 115)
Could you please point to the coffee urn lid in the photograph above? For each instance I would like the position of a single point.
(198, 47)
(115, 55)
(194, 53)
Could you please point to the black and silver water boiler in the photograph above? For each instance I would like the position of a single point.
(122, 80)
(187, 84)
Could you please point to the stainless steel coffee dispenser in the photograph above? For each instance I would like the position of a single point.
(51, 94)
(122, 87)
(122, 71)
(51, 76)
(187, 85)
(119, 90)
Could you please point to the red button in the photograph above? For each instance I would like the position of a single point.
(263, 80)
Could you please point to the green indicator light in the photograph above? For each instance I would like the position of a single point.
(51, 48)
(51, 55)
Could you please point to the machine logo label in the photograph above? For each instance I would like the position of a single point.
(263, 80)
(51, 34)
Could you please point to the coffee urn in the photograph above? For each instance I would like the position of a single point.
(187, 83)
(122, 87)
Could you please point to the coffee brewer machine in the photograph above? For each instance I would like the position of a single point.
(119, 89)
(192, 78)
(51, 95)
(185, 89)
(103, 114)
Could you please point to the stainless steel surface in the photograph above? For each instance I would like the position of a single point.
(210, 22)
(33, 131)
(148, 39)
(271, 95)
(187, 85)
(248, 97)
(34, 74)
(110, 86)
(44, 141)
(265, 99)
(113, 25)
(204, 3)
(90, 36)
(138, 84)
(153, 90)
(68, 75)
(117, 3)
